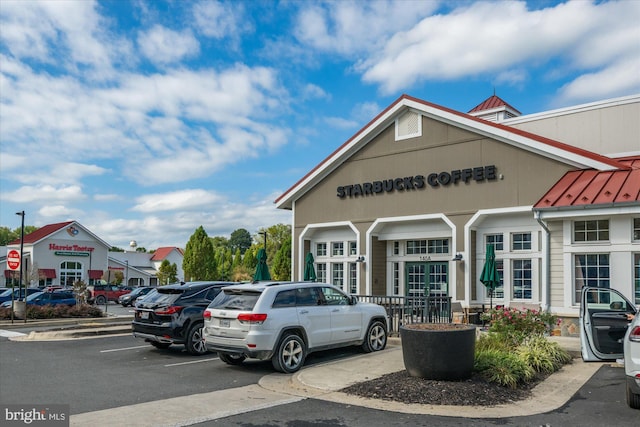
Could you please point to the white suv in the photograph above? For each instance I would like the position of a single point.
(285, 321)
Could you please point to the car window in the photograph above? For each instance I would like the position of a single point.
(307, 296)
(235, 300)
(285, 299)
(163, 296)
(334, 297)
(212, 293)
(6, 293)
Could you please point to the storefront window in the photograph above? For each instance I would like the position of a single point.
(636, 228)
(415, 247)
(591, 231)
(353, 285)
(520, 241)
(497, 240)
(70, 272)
(321, 273)
(337, 275)
(439, 246)
(396, 278)
(337, 249)
(590, 270)
(521, 278)
(636, 278)
(498, 292)
(321, 249)
(352, 248)
(396, 248)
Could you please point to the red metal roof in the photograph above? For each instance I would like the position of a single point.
(589, 187)
(161, 253)
(491, 103)
(41, 233)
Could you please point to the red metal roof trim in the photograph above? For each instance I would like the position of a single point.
(12, 274)
(491, 103)
(161, 253)
(592, 188)
(541, 139)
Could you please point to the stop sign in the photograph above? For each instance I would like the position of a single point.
(13, 259)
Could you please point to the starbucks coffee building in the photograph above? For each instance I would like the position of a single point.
(408, 205)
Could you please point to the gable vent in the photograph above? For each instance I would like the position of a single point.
(409, 125)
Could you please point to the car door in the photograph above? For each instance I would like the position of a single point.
(313, 316)
(346, 319)
(603, 323)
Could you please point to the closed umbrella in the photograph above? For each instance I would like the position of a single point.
(309, 269)
(489, 276)
(262, 271)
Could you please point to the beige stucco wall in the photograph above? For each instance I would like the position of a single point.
(441, 148)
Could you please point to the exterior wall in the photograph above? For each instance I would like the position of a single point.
(523, 179)
(611, 127)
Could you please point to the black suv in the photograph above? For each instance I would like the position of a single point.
(172, 314)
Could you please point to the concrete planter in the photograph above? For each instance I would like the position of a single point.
(20, 309)
(438, 351)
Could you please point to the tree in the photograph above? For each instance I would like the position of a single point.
(167, 273)
(276, 236)
(281, 265)
(142, 249)
(249, 260)
(116, 249)
(240, 239)
(7, 235)
(198, 262)
(219, 242)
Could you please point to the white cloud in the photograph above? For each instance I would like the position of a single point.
(162, 45)
(176, 201)
(498, 38)
(220, 20)
(44, 194)
(58, 211)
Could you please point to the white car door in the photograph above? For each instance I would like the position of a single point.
(313, 316)
(603, 323)
(346, 318)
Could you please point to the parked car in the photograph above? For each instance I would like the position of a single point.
(132, 297)
(17, 294)
(48, 298)
(100, 294)
(285, 322)
(606, 334)
(172, 314)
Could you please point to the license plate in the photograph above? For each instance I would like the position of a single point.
(144, 314)
(224, 323)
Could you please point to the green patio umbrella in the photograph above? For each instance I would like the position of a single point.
(489, 276)
(309, 269)
(262, 271)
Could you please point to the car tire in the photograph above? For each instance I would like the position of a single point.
(376, 337)
(232, 359)
(633, 400)
(290, 354)
(160, 345)
(100, 300)
(195, 340)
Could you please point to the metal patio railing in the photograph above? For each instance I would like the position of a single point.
(408, 310)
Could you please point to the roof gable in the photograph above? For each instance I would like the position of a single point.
(162, 253)
(50, 229)
(542, 146)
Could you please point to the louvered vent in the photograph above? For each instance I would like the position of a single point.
(408, 125)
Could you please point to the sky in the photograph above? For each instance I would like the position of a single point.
(143, 120)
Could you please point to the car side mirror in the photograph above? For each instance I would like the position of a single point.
(353, 300)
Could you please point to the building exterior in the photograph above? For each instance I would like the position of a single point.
(408, 205)
(59, 254)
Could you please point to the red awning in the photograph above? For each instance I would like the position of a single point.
(95, 274)
(12, 274)
(47, 273)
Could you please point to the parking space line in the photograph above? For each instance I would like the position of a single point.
(10, 334)
(191, 362)
(123, 349)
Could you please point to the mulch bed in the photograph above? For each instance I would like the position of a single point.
(476, 391)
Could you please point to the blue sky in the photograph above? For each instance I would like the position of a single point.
(143, 120)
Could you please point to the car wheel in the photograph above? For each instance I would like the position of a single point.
(290, 354)
(101, 300)
(633, 400)
(161, 345)
(195, 340)
(232, 359)
(376, 338)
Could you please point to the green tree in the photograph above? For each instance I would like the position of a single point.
(281, 266)
(167, 273)
(249, 260)
(276, 236)
(7, 235)
(143, 250)
(225, 265)
(219, 242)
(237, 260)
(198, 262)
(240, 239)
(116, 249)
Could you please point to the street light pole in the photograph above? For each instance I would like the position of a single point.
(21, 213)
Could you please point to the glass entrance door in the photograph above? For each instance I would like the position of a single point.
(432, 277)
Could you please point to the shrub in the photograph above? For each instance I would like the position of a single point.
(543, 355)
(503, 367)
(56, 312)
(517, 326)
